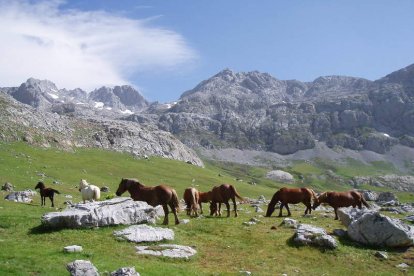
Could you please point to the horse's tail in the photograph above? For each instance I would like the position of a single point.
(272, 204)
(175, 200)
(55, 191)
(236, 193)
(96, 193)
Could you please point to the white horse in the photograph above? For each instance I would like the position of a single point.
(89, 192)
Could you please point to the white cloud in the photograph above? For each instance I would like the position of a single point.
(76, 48)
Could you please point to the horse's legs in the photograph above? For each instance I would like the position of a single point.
(287, 208)
(219, 209)
(228, 208)
(308, 208)
(336, 214)
(280, 209)
(165, 207)
(201, 208)
(174, 210)
(235, 207)
(51, 199)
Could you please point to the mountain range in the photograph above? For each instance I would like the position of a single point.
(252, 111)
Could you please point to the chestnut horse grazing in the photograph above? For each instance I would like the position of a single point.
(341, 199)
(191, 199)
(158, 195)
(291, 195)
(203, 198)
(222, 194)
(46, 192)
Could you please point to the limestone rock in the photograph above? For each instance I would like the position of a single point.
(82, 268)
(73, 248)
(289, 223)
(125, 271)
(280, 176)
(21, 196)
(375, 229)
(310, 235)
(145, 233)
(349, 214)
(115, 211)
(167, 250)
(8, 187)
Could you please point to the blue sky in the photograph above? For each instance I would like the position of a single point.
(180, 43)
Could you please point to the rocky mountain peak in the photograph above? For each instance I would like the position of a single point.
(37, 93)
(404, 77)
(129, 96)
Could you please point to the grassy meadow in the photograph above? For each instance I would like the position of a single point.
(225, 246)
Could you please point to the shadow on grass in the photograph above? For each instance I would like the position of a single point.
(291, 243)
(42, 229)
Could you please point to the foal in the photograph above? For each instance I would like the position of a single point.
(46, 192)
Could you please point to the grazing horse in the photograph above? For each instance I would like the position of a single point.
(341, 199)
(46, 192)
(291, 195)
(191, 198)
(158, 195)
(222, 194)
(89, 192)
(203, 198)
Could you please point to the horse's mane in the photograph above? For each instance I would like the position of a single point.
(323, 196)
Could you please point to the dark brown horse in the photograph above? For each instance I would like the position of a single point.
(341, 199)
(46, 192)
(291, 195)
(222, 194)
(158, 195)
(191, 198)
(203, 198)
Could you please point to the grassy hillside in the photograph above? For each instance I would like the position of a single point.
(224, 245)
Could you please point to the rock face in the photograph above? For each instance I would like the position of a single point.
(102, 213)
(145, 233)
(21, 196)
(379, 230)
(82, 268)
(310, 235)
(280, 176)
(167, 250)
(403, 183)
(348, 215)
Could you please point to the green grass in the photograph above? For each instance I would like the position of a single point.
(224, 245)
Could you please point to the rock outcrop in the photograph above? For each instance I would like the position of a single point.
(115, 211)
(167, 250)
(82, 268)
(21, 196)
(280, 176)
(310, 235)
(378, 230)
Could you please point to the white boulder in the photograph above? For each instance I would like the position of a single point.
(167, 250)
(21, 196)
(115, 211)
(310, 235)
(280, 176)
(145, 233)
(82, 268)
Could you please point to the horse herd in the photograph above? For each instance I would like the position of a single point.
(167, 196)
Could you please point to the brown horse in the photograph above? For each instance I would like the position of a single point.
(341, 199)
(203, 198)
(46, 192)
(158, 195)
(191, 198)
(222, 194)
(291, 195)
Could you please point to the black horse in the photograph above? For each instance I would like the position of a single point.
(46, 192)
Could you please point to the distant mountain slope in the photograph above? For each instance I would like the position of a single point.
(22, 122)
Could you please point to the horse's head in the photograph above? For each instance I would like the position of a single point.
(318, 200)
(123, 186)
(40, 185)
(82, 184)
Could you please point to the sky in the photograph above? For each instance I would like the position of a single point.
(164, 48)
